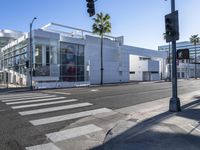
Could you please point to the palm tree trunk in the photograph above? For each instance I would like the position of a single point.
(101, 60)
(195, 62)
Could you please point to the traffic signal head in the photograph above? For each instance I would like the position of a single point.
(172, 27)
(169, 29)
(91, 8)
(183, 54)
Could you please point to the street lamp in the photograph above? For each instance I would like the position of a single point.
(31, 53)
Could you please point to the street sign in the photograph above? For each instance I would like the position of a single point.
(183, 54)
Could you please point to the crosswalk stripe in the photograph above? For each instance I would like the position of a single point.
(22, 95)
(27, 97)
(59, 93)
(48, 146)
(43, 104)
(72, 133)
(51, 109)
(35, 97)
(18, 97)
(33, 101)
(69, 116)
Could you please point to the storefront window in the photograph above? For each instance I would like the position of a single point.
(38, 54)
(41, 70)
(72, 62)
(46, 57)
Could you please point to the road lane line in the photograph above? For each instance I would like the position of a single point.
(69, 116)
(72, 133)
(51, 109)
(29, 98)
(37, 100)
(48, 146)
(43, 104)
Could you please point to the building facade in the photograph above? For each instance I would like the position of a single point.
(65, 57)
(185, 68)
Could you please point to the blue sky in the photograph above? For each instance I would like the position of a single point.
(141, 22)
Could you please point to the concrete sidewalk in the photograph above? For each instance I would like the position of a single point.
(150, 126)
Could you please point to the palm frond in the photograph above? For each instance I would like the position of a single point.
(194, 39)
(101, 24)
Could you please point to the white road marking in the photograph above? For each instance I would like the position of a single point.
(194, 128)
(60, 93)
(33, 101)
(94, 90)
(51, 109)
(72, 133)
(69, 116)
(21, 95)
(43, 104)
(48, 146)
(24, 98)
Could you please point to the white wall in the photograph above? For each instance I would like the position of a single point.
(143, 69)
(112, 61)
(119, 61)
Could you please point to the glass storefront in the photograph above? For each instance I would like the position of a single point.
(51, 58)
(72, 62)
(15, 57)
(46, 57)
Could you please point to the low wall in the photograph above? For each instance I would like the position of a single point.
(45, 85)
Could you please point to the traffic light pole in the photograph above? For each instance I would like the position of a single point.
(174, 105)
(31, 53)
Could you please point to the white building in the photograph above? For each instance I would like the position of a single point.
(65, 57)
(7, 36)
(143, 68)
(185, 68)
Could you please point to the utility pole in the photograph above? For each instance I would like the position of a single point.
(174, 105)
(31, 54)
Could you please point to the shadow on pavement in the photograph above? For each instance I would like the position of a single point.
(153, 134)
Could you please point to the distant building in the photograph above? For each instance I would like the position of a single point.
(185, 68)
(7, 36)
(65, 57)
(144, 68)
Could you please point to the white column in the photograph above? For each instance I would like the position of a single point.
(43, 55)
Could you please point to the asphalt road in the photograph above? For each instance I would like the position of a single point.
(118, 96)
(18, 131)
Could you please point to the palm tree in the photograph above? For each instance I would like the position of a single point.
(169, 56)
(101, 26)
(194, 39)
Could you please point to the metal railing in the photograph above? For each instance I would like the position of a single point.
(71, 31)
